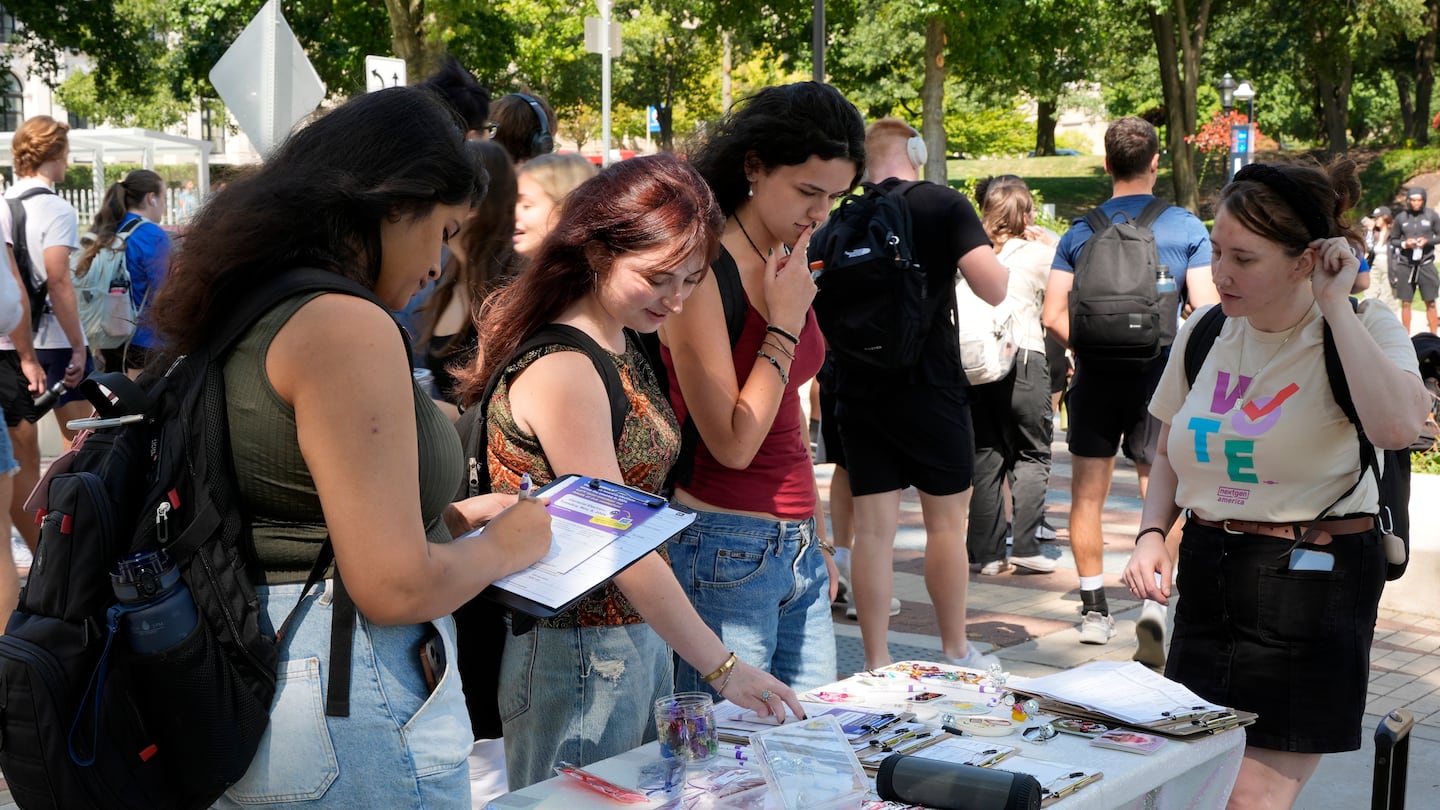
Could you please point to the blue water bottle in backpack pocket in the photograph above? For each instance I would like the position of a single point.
(159, 610)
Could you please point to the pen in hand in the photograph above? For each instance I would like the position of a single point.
(525, 487)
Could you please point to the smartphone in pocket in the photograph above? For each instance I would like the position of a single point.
(432, 660)
(1305, 559)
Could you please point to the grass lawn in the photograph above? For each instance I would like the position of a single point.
(1073, 184)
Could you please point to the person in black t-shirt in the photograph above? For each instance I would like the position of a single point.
(912, 427)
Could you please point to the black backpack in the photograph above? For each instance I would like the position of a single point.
(480, 623)
(1118, 321)
(1394, 482)
(872, 302)
(37, 293)
(84, 721)
(734, 304)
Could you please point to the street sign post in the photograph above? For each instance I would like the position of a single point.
(266, 80)
(384, 71)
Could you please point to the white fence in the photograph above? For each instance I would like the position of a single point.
(87, 203)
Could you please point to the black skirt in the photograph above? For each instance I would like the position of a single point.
(1291, 646)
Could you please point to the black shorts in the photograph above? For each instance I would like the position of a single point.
(15, 396)
(18, 401)
(1406, 278)
(1291, 646)
(1059, 364)
(830, 429)
(917, 436)
(1105, 409)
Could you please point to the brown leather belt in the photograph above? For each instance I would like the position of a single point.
(1288, 531)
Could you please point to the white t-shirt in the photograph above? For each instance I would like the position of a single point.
(1260, 437)
(50, 221)
(10, 292)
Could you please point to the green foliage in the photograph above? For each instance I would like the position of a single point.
(156, 109)
(981, 129)
(1382, 179)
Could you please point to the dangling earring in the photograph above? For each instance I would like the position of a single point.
(752, 190)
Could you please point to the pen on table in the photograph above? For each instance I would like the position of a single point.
(525, 486)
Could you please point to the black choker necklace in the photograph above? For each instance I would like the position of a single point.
(755, 247)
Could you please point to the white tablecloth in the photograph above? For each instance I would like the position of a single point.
(1181, 775)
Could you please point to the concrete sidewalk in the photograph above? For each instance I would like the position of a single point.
(1030, 622)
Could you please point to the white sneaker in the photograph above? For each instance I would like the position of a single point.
(1150, 635)
(974, 659)
(1097, 628)
(994, 568)
(852, 613)
(1044, 532)
(1039, 563)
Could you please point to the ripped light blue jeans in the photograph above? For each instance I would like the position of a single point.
(761, 585)
(579, 694)
(402, 746)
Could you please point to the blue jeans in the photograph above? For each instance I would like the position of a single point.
(401, 746)
(578, 694)
(761, 585)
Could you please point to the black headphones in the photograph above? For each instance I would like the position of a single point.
(541, 141)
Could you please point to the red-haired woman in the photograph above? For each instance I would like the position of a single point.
(630, 246)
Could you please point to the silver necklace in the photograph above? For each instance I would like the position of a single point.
(1245, 340)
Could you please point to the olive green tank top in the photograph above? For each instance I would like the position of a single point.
(277, 493)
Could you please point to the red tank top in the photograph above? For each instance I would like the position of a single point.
(780, 479)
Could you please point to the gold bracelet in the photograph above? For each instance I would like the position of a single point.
(722, 669)
(784, 377)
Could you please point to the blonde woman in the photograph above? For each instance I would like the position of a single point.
(1012, 417)
(543, 183)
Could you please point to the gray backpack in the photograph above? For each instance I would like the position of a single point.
(1119, 322)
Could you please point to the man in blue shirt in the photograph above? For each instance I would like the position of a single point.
(1105, 408)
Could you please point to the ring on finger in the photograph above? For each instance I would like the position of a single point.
(766, 695)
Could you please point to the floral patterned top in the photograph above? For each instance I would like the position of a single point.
(649, 444)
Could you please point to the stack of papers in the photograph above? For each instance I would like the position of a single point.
(1127, 691)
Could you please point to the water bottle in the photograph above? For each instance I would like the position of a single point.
(161, 611)
(46, 401)
(1164, 282)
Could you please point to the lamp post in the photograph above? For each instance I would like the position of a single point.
(1242, 136)
(1244, 92)
(1226, 86)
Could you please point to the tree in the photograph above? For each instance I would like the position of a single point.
(1179, 27)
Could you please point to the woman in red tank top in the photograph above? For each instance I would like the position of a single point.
(752, 562)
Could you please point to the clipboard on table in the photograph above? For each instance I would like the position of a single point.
(1129, 695)
(599, 528)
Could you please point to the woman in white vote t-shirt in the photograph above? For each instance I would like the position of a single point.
(1281, 561)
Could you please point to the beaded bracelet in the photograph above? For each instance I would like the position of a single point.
(722, 669)
(775, 330)
(826, 547)
(784, 377)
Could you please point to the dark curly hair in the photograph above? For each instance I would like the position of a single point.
(318, 201)
(779, 126)
(470, 99)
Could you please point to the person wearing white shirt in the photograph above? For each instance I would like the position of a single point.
(40, 151)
